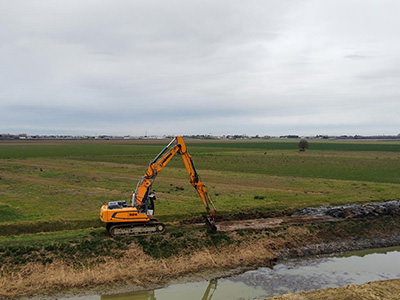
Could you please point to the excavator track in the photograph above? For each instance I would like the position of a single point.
(134, 229)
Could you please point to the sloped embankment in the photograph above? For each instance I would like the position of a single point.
(183, 251)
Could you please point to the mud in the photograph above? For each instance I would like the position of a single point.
(226, 226)
(239, 216)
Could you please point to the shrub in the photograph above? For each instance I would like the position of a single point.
(303, 145)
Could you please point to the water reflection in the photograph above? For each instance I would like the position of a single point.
(143, 295)
(212, 286)
(150, 295)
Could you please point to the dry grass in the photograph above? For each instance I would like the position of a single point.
(135, 268)
(245, 248)
(378, 290)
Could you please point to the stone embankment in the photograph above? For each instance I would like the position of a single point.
(339, 246)
(353, 210)
(321, 214)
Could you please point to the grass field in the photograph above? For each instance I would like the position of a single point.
(62, 184)
(52, 185)
(51, 193)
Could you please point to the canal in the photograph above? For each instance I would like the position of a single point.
(289, 276)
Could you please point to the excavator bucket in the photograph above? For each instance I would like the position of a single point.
(210, 222)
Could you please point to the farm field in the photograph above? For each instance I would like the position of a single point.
(54, 185)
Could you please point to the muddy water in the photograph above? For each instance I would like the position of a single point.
(291, 276)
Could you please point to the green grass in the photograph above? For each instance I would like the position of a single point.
(96, 148)
(22, 150)
(314, 145)
(76, 247)
(49, 186)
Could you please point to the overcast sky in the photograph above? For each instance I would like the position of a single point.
(200, 67)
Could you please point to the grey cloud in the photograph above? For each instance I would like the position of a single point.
(382, 74)
(198, 66)
(356, 56)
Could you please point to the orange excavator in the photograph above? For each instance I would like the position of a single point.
(138, 219)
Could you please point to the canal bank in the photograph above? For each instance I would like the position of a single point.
(236, 252)
(290, 276)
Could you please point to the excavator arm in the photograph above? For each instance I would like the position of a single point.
(195, 179)
(141, 194)
(156, 165)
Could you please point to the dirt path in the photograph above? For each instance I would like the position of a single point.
(226, 226)
(378, 290)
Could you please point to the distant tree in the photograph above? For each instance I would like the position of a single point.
(303, 145)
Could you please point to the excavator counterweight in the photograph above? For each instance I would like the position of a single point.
(138, 218)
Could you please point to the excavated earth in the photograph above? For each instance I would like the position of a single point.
(226, 226)
(315, 215)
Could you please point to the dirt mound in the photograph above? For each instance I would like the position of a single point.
(260, 220)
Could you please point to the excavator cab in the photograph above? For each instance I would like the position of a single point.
(147, 206)
(150, 203)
